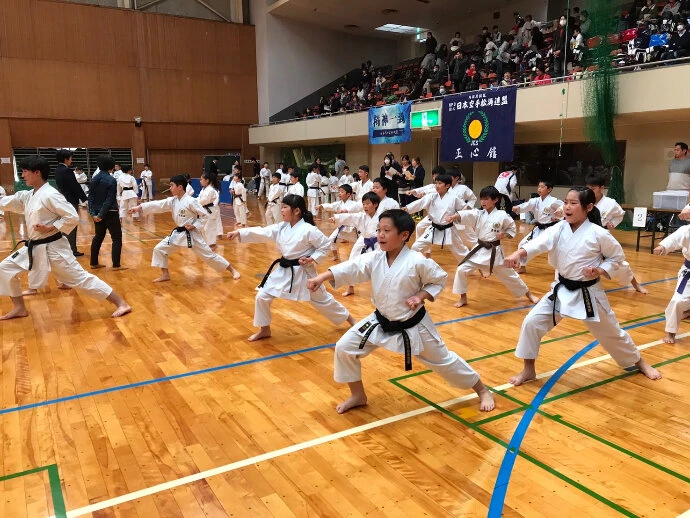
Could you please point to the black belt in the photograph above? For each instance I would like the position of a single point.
(128, 188)
(572, 286)
(284, 263)
(182, 229)
(541, 226)
(208, 207)
(398, 326)
(442, 228)
(31, 243)
(484, 244)
(234, 197)
(317, 188)
(284, 184)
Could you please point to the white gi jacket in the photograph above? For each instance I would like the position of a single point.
(506, 183)
(275, 194)
(543, 210)
(146, 181)
(346, 179)
(297, 189)
(83, 181)
(465, 194)
(569, 253)
(126, 180)
(487, 225)
(293, 242)
(189, 190)
(390, 288)
(209, 195)
(679, 240)
(611, 212)
(339, 205)
(360, 189)
(313, 180)
(334, 183)
(438, 208)
(239, 195)
(385, 204)
(185, 211)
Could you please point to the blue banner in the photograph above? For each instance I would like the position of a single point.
(390, 124)
(479, 126)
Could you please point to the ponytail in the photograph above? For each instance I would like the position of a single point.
(308, 217)
(594, 216)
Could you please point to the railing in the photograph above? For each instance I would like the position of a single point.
(555, 80)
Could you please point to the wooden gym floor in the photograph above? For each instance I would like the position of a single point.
(170, 412)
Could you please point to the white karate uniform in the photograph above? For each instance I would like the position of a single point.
(569, 253)
(239, 203)
(543, 212)
(273, 203)
(385, 204)
(46, 206)
(346, 233)
(506, 183)
(265, 181)
(464, 193)
(346, 179)
(360, 189)
(83, 181)
(128, 198)
(185, 211)
(391, 286)
(214, 225)
(189, 190)
(313, 190)
(613, 213)
(293, 242)
(487, 225)
(2, 193)
(680, 302)
(333, 185)
(438, 208)
(146, 185)
(367, 226)
(285, 181)
(296, 189)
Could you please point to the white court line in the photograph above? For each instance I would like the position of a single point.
(315, 442)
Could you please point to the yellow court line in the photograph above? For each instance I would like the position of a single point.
(171, 484)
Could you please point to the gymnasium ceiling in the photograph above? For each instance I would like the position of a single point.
(369, 14)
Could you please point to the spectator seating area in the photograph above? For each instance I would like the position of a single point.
(647, 32)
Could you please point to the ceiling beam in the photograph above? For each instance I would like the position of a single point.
(146, 6)
(213, 10)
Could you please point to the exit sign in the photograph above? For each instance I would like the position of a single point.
(424, 119)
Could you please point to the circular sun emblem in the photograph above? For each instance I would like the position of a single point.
(475, 127)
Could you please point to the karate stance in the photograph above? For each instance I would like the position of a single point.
(239, 200)
(209, 199)
(146, 183)
(274, 199)
(679, 306)
(342, 232)
(126, 191)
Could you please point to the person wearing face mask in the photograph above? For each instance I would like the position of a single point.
(559, 49)
(679, 45)
(391, 169)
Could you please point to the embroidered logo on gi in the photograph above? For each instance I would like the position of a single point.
(497, 225)
(364, 327)
(183, 213)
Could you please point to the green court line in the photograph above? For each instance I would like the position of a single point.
(132, 235)
(536, 462)
(55, 487)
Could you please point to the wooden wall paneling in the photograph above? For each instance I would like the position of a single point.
(194, 136)
(6, 170)
(49, 133)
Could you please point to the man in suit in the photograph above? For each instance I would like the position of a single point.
(104, 210)
(69, 187)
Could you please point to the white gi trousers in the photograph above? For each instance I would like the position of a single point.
(321, 299)
(346, 234)
(539, 321)
(434, 354)
(199, 247)
(679, 304)
(127, 204)
(507, 276)
(273, 214)
(240, 210)
(424, 244)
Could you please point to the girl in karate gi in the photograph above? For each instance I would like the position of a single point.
(314, 188)
(239, 200)
(345, 204)
(402, 280)
(611, 216)
(209, 199)
(295, 188)
(189, 189)
(544, 209)
(491, 225)
(126, 191)
(679, 306)
(440, 205)
(582, 252)
(301, 245)
(274, 199)
(146, 183)
(190, 217)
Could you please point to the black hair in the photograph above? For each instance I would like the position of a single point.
(355, 176)
(277, 175)
(281, 164)
(372, 197)
(128, 169)
(237, 167)
(401, 220)
(383, 182)
(187, 177)
(63, 154)
(587, 197)
(238, 174)
(294, 174)
(78, 168)
(445, 178)
(265, 163)
(598, 179)
(314, 166)
(364, 168)
(297, 202)
(489, 192)
(211, 177)
(105, 162)
(180, 180)
(346, 168)
(346, 187)
(439, 169)
(290, 167)
(36, 163)
(682, 145)
(547, 183)
(454, 172)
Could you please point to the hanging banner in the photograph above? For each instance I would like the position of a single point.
(479, 126)
(390, 124)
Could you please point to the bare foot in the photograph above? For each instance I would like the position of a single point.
(15, 313)
(119, 268)
(264, 332)
(30, 291)
(532, 298)
(348, 292)
(670, 338)
(527, 374)
(62, 286)
(351, 402)
(648, 370)
(522, 269)
(639, 288)
(122, 310)
(162, 278)
(96, 266)
(486, 398)
(462, 302)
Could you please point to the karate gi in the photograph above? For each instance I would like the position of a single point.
(543, 212)
(84, 182)
(487, 225)
(2, 193)
(385, 204)
(391, 286)
(185, 211)
(313, 190)
(239, 203)
(613, 213)
(209, 199)
(360, 189)
(680, 302)
(296, 189)
(126, 191)
(273, 203)
(146, 185)
(265, 181)
(333, 185)
(569, 253)
(293, 242)
(367, 227)
(346, 179)
(438, 208)
(46, 206)
(189, 190)
(284, 181)
(344, 232)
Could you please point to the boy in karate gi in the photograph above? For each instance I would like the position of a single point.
(313, 188)
(401, 280)
(126, 192)
(146, 183)
(345, 204)
(275, 196)
(295, 188)
(679, 306)
(190, 218)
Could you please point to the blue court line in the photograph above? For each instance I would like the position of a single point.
(247, 362)
(503, 478)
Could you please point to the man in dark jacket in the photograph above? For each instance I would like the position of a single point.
(560, 37)
(679, 46)
(430, 44)
(458, 67)
(68, 186)
(103, 208)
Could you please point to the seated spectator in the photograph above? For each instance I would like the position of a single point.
(671, 9)
(649, 11)
(456, 42)
(435, 79)
(457, 70)
(496, 35)
(679, 46)
(371, 69)
(335, 103)
(366, 78)
(308, 113)
(542, 78)
(471, 80)
(507, 79)
(361, 93)
(416, 90)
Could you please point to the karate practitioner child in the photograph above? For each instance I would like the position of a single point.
(347, 178)
(239, 200)
(190, 217)
(345, 204)
(301, 245)
(146, 183)
(295, 188)
(439, 206)
(83, 182)
(313, 188)
(401, 280)
(333, 184)
(189, 189)
(491, 225)
(380, 187)
(127, 193)
(274, 199)
(582, 252)
(611, 216)
(48, 217)
(544, 209)
(364, 184)
(265, 175)
(209, 199)
(285, 177)
(679, 306)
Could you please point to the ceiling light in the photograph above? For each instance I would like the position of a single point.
(400, 29)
